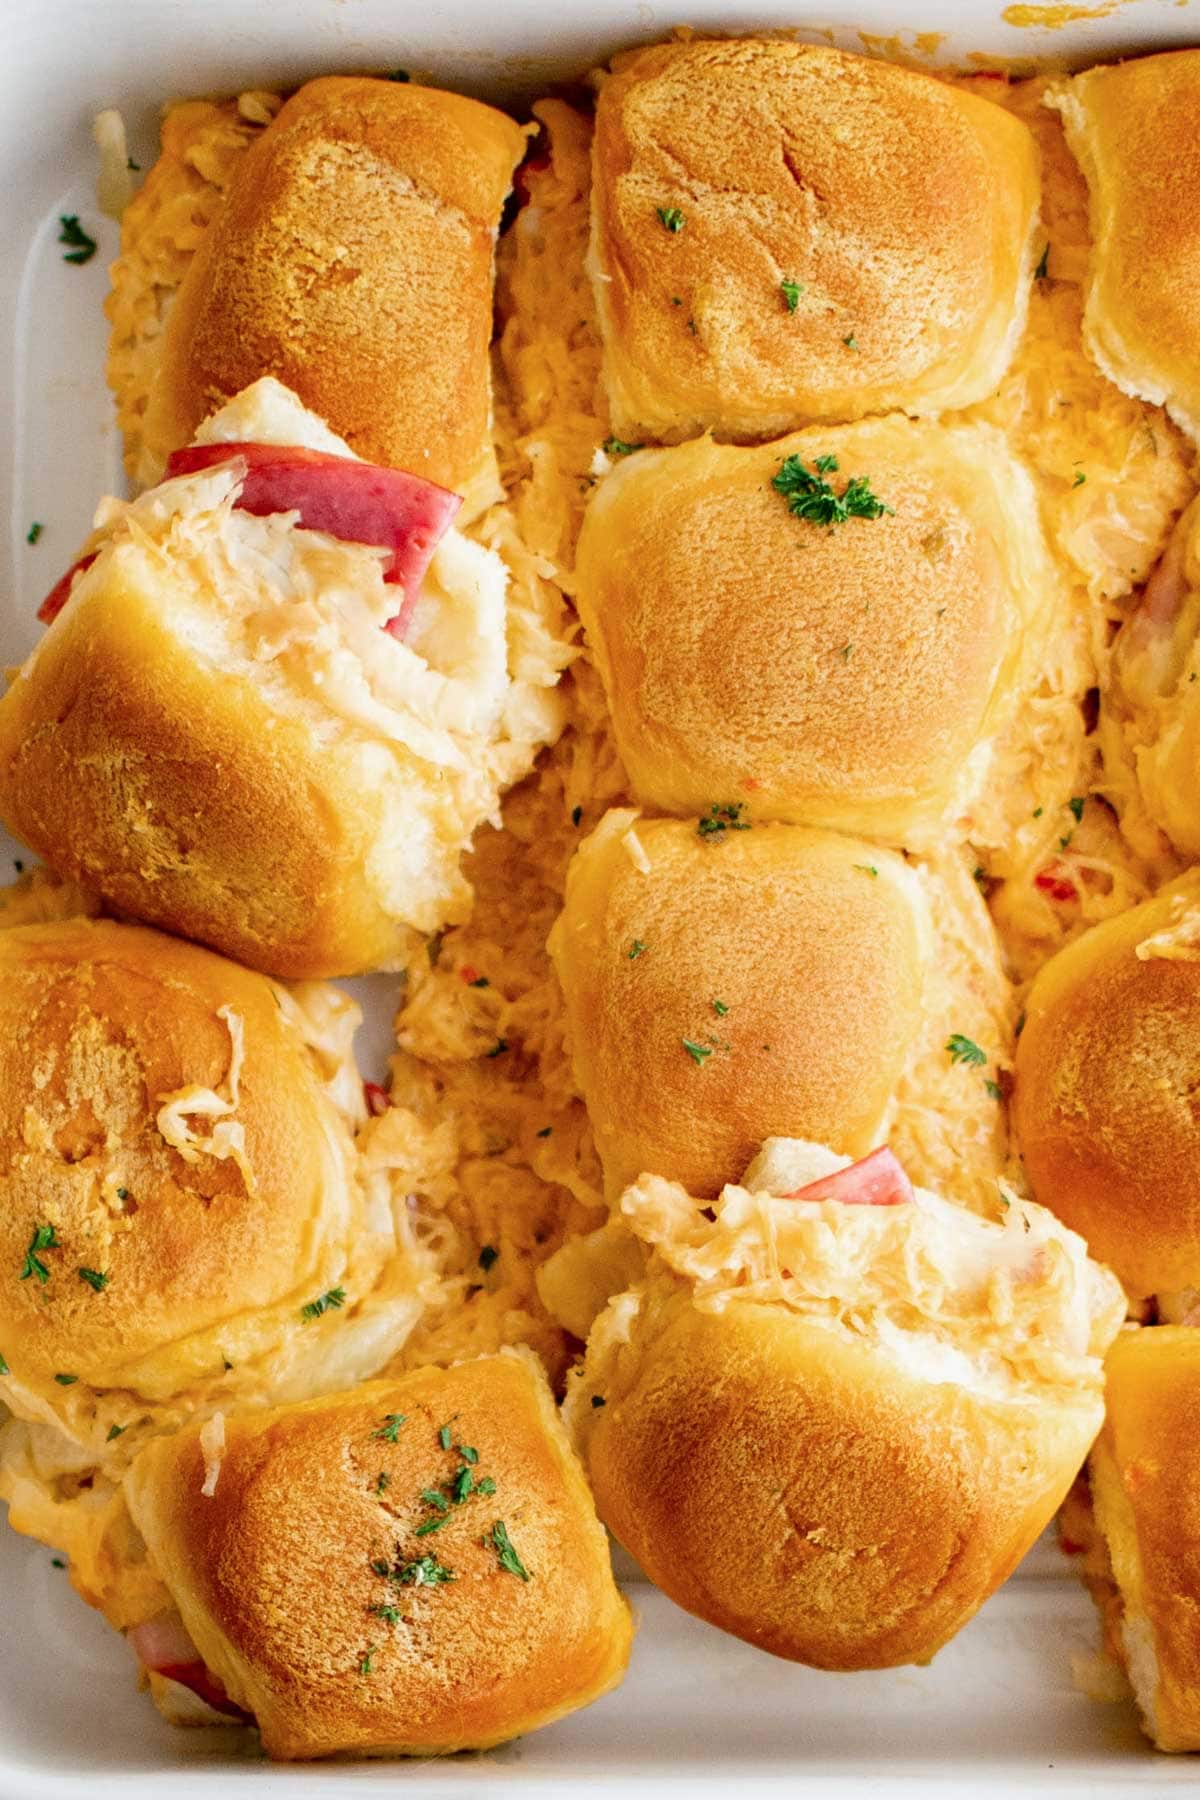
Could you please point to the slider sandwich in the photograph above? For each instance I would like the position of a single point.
(842, 628)
(1131, 127)
(184, 1225)
(1137, 1524)
(412, 1568)
(1104, 1106)
(275, 699)
(725, 981)
(836, 1410)
(352, 258)
(782, 233)
(1150, 704)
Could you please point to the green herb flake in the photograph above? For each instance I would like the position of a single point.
(44, 1238)
(546, 1131)
(480, 981)
(114, 1432)
(964, 1050)
(4, 1368)
(498, 1048)
(599, 1400)
(636, 949)
(979, 875)
(850, 342)
(34, 532)
(461, 1486)
(1076, 805)
(1038, 811)
(489, 1254)
(468, 1453)
(444, 1437)
(720, 819)
(399, 75)
(720, 1008)
(1039, 274)
(389, 1431)
(66, 1380)
(866, 869)
(992, 1089)
(791, 291)
(422, 1571)
(80, 247)
(381, 1567)
(671, 217)
(330, 1302)
(383, 1482)
(1064, 841)
(56, 1562)
(699, 1053)
(810, 496)
(846, 652)
(367, 1664)
(618, 447)
(122, 1193)
(431, 1525)
(486, 1486)
(435, 1497)
(1080, 478)
(502, 1544)
(391, 1615)
(94, 1278)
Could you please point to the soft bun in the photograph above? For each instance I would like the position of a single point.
(856, 678)
(287, 1576)
(725, 982)
(900, 207)
(180, 1184)
(1145, 1486)
(219, 736)
(1130, 126)
(834, 1429)
(352, 259)
(1107, 1068)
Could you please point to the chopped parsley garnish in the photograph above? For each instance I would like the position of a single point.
(44, 1238)
(444, 1436)
(1080, 478)
(381, 1566)
(422, 1571)
(965, 1050)
(1064, 841)
(34, 532)
(489, 1253)
(546, 1131)
(391, 1615)
(468, 1454)
(599, 1400)
(368, 1662)
(460, 1487)
(847, 652)
(671, 217)
(1076, 806)
(576, 814)
(435, 1497)
(498, 1048)
(867, 868)
(389, 1431)
(791, 291)
(636, 949)
(94, 1278)
(56, 1562)
(480, 981)
(618, 447)
(66, 1380)
(383, 1481)
(699, 1053)
(720, 1008)
(486, 1486)
(432, 1525)
(505, 1551)
(1039, 274)
(399, 75)
(720, 819)
(810, 496)
(992, 1089)
(329, 1302)
(4, 1368)
(850, 342)
(1038, 811)
(114, 1432)
(80, 247)
(122, 1193)
(979, 875)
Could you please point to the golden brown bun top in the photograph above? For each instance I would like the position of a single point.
(793, 971)
(901, 206)
(796, 1486)
(1146, 1483)
(1132, 129)
(353, 260)
(1107, 1072)
(100, 1024)
(837, 677)
(275, 1574)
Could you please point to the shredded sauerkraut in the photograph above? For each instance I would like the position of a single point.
(227, 1138)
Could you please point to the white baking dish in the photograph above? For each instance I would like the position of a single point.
(998, 1713)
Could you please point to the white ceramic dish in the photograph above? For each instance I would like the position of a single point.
(998, 1712)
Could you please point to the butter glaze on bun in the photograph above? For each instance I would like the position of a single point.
(352, 259)
(855, 677)
(275, 1574)
(1144, 1474)
(726, 983)
(1131, 127)
(1107, 1070)
(180, 1183)
(901, 208)
(833, 1429)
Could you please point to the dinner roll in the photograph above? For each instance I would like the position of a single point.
(1130, 126)
(223, 735)
(352, 258)
(1150, 704)
(1144, 1477)
(412, 1568)
(723, 980)
(854, 674)
(831, 1421)
(1107, 1069)
(181, 1187)
(783, 233)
